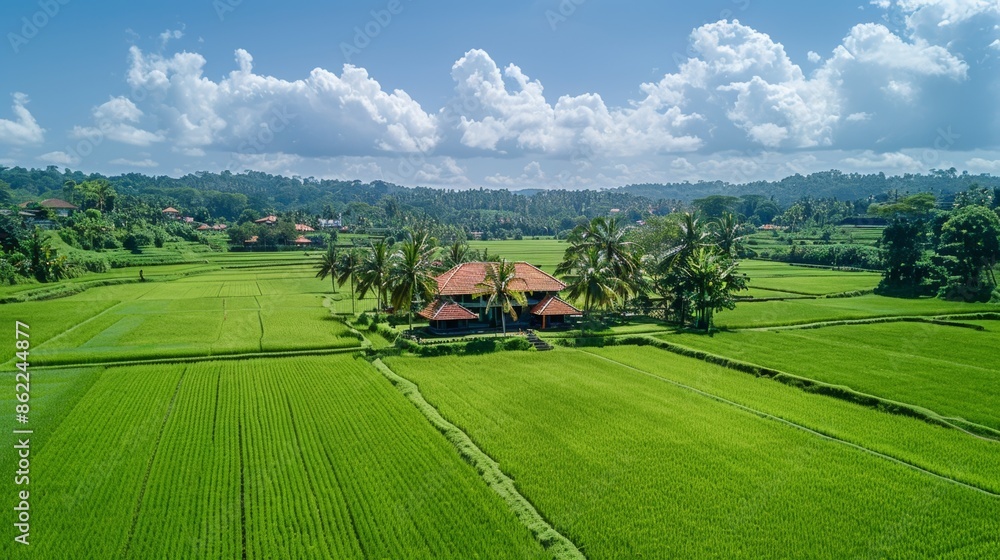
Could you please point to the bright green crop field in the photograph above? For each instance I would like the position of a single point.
(628, 465)
(280, 458)
(223, 409)
(952, 371)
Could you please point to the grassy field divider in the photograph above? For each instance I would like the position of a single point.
(804, 383)
(61, 290)
(807, 429)
(203, 358)
(950, 321)
(552, 540)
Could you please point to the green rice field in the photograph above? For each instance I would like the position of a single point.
(225, 409)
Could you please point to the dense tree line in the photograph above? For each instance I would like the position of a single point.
(950, 253)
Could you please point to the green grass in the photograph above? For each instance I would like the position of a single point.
(627, 465)
(798, 312)
(221, 312)
(941, 450)
(543, 253)
(314, 457)
(952, 371)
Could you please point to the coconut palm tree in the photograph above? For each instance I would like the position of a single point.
(373, 272)
(458, 253)
(608, 237)
(329, 266)
(348, 266)
(589, 277)
(712, 279)
(504, 288)
(727, 235)
(410, 276)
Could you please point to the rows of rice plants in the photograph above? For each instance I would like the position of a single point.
(627, 465)
(801, 311)
(269, 458)
(49, 319)
(952, 371)
(86, 477)
(300, 322)
(545, 253)
(948, 452)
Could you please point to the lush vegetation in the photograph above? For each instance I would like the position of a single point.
(947, 369)
(613, 456)
(261, 458)
(202, 393)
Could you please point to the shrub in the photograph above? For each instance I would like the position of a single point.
(516, 343)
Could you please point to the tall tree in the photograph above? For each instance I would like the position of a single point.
(458, 253)
(970, 243)
(411, 278)
(348, 266)
(589, 277)
(712, 279)
(329, 266)
(374, 272)
(726, 233)
(608, 237)
(504, 288)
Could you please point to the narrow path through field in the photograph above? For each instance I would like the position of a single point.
(806, 429)
(488, 469)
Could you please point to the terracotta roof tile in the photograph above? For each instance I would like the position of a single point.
(441, 310)
(553, 306)
(462, 279)
(303, 227)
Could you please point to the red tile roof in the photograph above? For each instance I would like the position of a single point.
(170, 210)
(462, 279)
(303, 227)
(204, 227)
(553, 306)
(441, 310)
(266, 220)
(302, 240)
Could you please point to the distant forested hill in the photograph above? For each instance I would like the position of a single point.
(827, 184)
(225, 195)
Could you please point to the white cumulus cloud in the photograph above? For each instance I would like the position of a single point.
(321, 115)
(23, 130)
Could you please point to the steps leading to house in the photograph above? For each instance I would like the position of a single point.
(538, 343)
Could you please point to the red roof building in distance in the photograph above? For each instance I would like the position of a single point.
(269, 220)
(204, 227)
(455, 302)
(171, 211)
(303, 227)
(302, 240)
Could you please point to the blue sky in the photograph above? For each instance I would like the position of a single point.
(546, 93)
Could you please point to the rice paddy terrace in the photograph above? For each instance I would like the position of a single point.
(220, 410)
